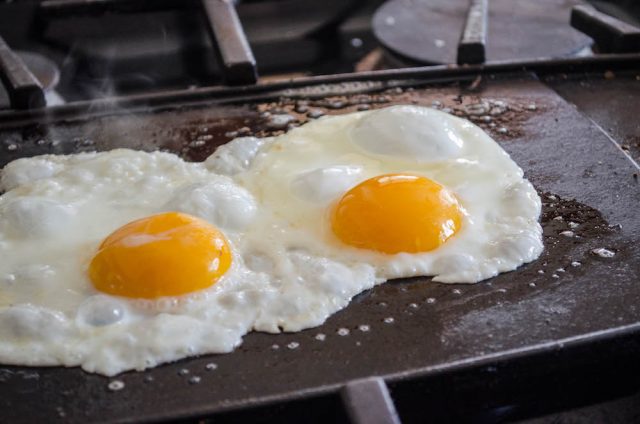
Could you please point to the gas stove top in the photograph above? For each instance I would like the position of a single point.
(87, 49)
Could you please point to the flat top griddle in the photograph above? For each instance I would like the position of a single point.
(447, 344)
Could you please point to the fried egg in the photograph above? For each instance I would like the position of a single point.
(124, 259)
(409, 190)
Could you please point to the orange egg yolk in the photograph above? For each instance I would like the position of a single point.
(395, 213)
(169, 254)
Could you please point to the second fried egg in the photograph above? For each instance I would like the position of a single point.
(408, 190)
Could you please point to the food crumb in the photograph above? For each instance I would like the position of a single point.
(293, 345)
(116, 385)
(603, 252)
(343, 332)
(315, 114)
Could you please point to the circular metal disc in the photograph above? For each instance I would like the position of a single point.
(428, 31)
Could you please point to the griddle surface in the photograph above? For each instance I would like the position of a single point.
(581, 175)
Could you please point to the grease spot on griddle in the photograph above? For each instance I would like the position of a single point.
(343, 332)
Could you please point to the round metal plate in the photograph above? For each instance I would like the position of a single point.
(428, 31)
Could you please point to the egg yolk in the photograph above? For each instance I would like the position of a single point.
(169, 254)
(395, 213)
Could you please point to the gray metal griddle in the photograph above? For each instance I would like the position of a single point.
(536, 337)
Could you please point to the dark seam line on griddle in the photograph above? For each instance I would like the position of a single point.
(599, 127)
(520, 352)
(615, 143)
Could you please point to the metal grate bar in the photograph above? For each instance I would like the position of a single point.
(24, 90)
(235, 53)
(610, 34)
(471, 48)
(368, 402)
(237, 60)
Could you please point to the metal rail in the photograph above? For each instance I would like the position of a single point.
(433, 74)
